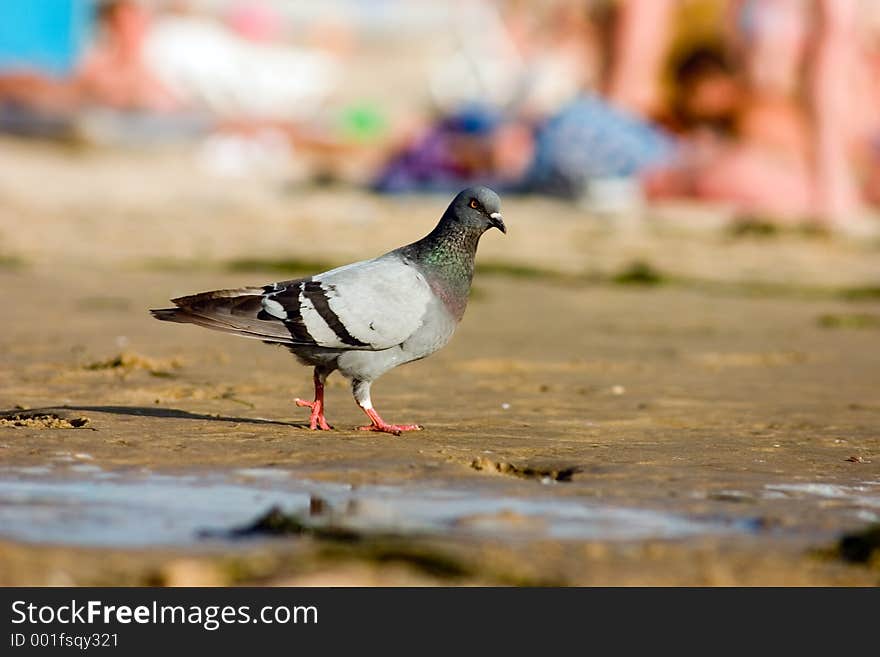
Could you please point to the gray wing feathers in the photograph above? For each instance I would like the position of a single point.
(371, 305)
(230, 311)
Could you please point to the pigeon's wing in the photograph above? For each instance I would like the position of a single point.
(371, 305)
(239, 312)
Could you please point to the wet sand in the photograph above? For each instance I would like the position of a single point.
(578, 431)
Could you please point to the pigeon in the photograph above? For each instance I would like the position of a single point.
(365, 318)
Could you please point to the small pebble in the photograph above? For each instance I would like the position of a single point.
(505, 406)
(617, 390)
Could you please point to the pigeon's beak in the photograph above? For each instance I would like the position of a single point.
(498, 221)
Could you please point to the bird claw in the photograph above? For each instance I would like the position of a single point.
(316, 418)
(378, 424)
(395, 429)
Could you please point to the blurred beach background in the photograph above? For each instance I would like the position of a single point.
(763, 107)
(670, 362)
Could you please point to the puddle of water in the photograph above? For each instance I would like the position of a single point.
(863, 495)
(150, 510)
(467, 512)
(143, 509)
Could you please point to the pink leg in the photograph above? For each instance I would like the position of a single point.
(378, 424)
(361, 390)
(316, 419)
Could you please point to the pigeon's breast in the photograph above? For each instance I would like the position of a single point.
(434, 332)
(453, 297)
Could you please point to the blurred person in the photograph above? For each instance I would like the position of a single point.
(240, 71)
(743, 140)
(531, 58)
(788, 151)
(592, 144)
(40, 46)
(770, 38)
(642, 33)
(114, 73)
(735, 147)
(558, 51)
(456, 149)
(111, 72)
(492, 93)
(782, 38)
(837, 196)
(40, 98)
(870, 20)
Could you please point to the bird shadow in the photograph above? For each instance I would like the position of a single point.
(169, 413)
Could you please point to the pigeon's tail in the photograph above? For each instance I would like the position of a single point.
(168, 314)
(239, 312)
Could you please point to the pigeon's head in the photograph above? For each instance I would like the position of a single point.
(479, 208)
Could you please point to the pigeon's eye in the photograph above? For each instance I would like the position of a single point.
(474, 203)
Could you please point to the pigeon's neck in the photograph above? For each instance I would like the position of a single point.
(446, 256)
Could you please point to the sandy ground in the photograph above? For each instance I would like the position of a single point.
(741, 392)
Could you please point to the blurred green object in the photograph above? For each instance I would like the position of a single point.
(362, 122)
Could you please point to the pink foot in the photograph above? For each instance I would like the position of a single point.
(380, 425)
(316, 419)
